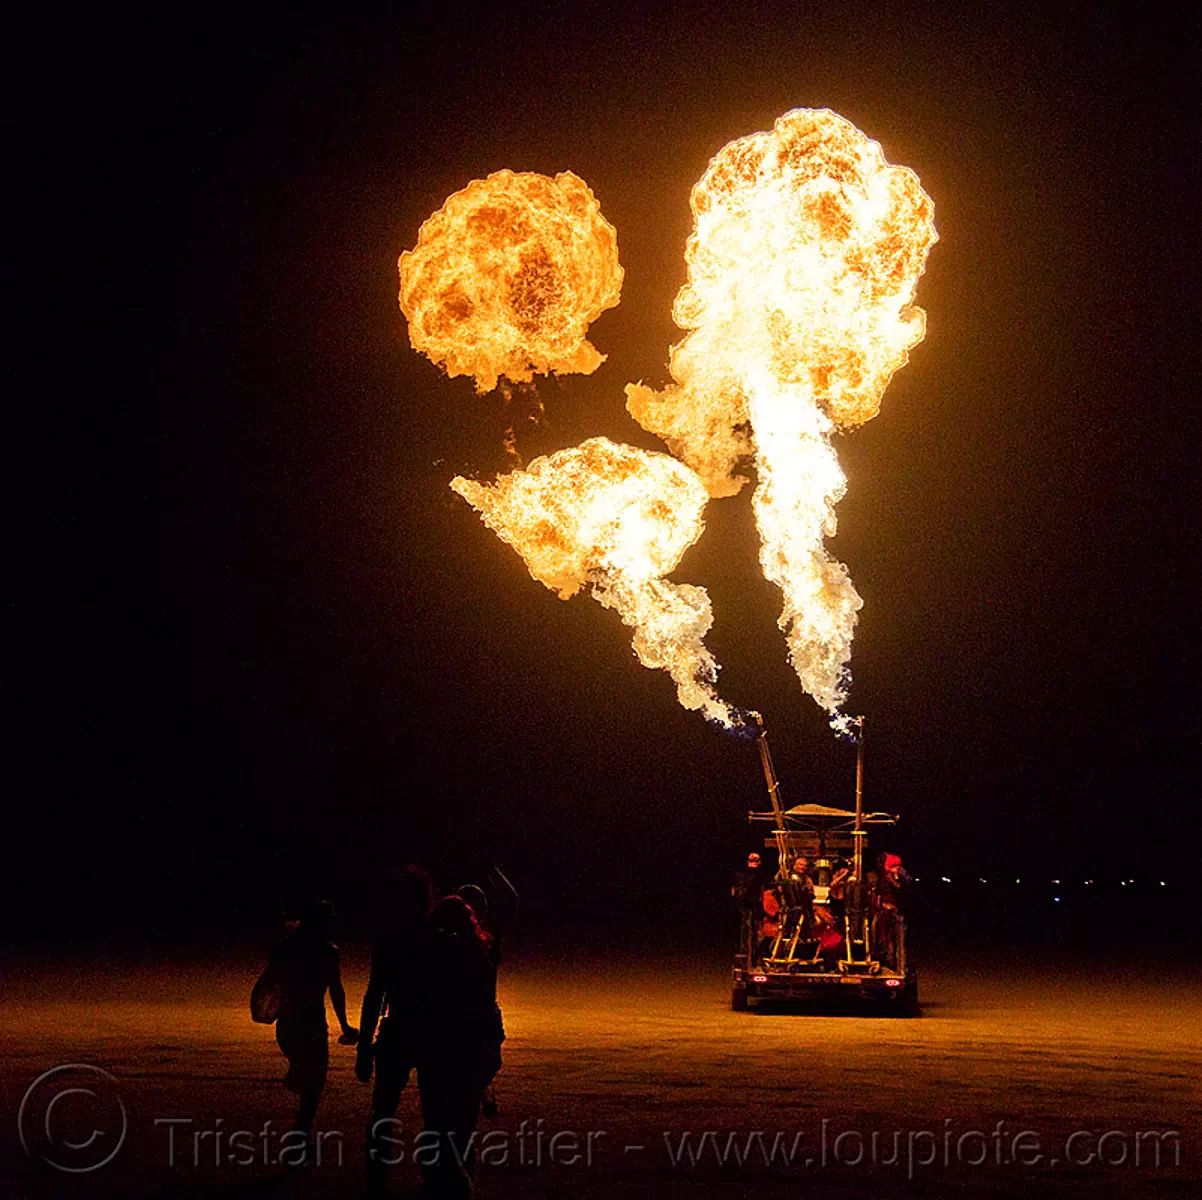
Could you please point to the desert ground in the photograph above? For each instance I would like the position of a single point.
(628, 1077)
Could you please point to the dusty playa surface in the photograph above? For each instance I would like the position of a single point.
(633, 1079)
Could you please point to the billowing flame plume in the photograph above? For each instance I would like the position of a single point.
(507, 276)
(619, 519)
(805, 253)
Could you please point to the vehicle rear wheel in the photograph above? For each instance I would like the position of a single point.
(738, 999)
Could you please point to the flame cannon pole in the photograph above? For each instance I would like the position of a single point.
(858, 835)
(858, 832)
(778, 813)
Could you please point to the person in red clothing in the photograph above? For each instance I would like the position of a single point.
(772, 912)
(889, 902)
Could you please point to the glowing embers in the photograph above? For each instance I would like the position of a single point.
(806, 250)
(617, 518)
(507, 276)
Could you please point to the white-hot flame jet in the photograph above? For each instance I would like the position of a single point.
(618, 519)
(805, 253)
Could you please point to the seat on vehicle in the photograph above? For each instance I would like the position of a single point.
(795, 942)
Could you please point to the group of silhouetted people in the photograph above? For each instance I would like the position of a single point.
(430, 1008)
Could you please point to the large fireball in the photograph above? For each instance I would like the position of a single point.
(619, 519)
(806, 250)
(507, 276)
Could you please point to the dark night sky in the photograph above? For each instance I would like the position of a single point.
(273, 644)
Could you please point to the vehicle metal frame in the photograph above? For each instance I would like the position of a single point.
(791, 966)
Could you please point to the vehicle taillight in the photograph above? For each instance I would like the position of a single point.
(759, 979)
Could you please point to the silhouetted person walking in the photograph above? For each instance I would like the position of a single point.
(495, 906)
(398, 990)
(463, 1043)
(305, 965)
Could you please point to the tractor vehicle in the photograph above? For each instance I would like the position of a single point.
(824, 929)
